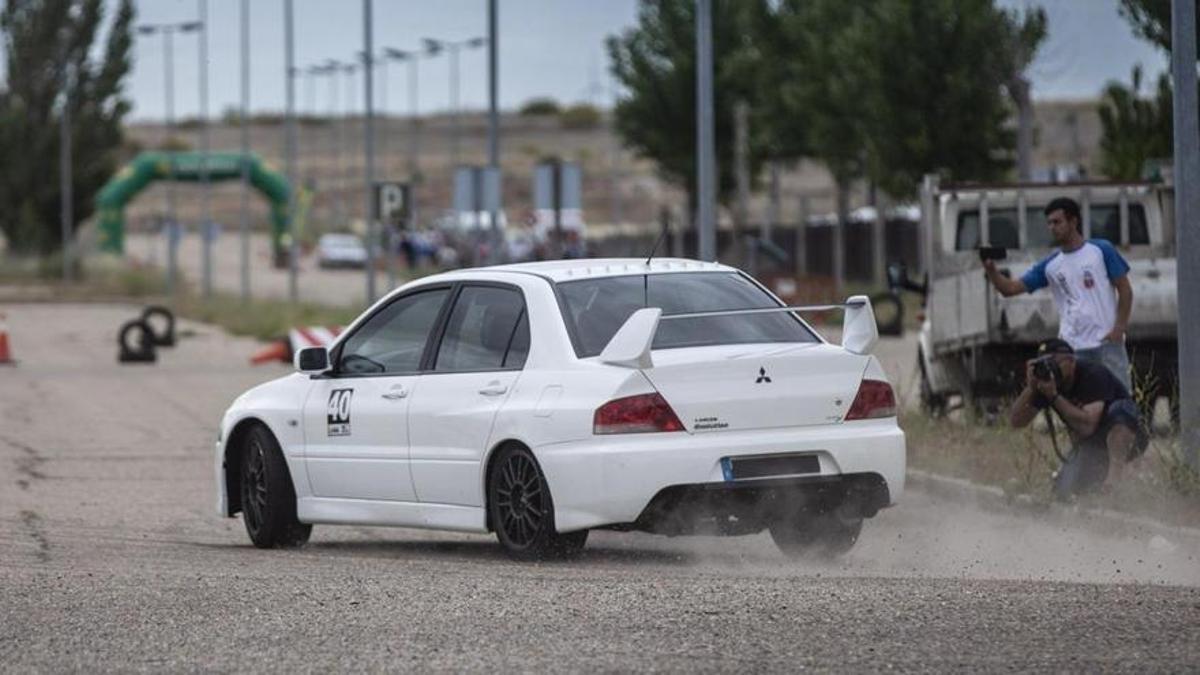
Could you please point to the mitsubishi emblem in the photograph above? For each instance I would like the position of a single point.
(762, 376)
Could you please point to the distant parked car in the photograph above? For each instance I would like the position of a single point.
(341, 250)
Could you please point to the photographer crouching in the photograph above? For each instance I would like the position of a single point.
(1102, 419)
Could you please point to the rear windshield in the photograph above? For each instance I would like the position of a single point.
(595, 309)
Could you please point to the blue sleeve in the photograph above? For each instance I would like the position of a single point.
(1035, 278)
(1114, 264)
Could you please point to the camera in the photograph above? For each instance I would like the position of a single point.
(992, 253)
(1046, 368)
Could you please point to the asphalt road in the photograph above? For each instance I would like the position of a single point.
(112, 559)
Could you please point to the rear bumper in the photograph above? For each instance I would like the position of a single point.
(613, 480)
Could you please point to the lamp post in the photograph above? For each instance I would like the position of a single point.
(433, 47)
(244, 219)
(168, 30)
(414, 136)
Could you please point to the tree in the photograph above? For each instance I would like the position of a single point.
(48, 47)
(655, 63)
(1151, 20)
(1134, 129)
(893, 89)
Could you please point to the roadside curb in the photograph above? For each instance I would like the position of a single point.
(994, 499)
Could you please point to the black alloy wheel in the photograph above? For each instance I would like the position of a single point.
(268, 498)
(522, 512)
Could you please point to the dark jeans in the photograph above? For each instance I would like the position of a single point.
(1086, 467)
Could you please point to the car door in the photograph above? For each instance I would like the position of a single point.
(476, 364)
(356, 418)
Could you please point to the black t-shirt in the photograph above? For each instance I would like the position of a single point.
(1093, 382)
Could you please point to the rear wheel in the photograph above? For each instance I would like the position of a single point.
(815, 536)
(522, 512)
(268, 498)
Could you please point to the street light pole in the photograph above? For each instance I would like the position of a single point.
(290, 148)
(172, 227)
(705, 141)
(168, 30)
(494, 132)
(369, 146)
(414, 136)
(1187, 222)
(244, 221)
(206, 231)
(433, 47)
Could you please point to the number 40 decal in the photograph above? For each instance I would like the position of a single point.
(337, 414)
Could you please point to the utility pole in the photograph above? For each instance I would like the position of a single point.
(705, 137)
(244, 221)
(498, 241)
(369, 149)
(290, 148)
(1187, 223)
(206, 229)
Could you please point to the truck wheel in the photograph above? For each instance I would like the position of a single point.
(816, 536)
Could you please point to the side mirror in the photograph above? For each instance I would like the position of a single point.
(312, 360)
(859, 331)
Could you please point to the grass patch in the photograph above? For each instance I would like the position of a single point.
(1160, 484)
(261, 319)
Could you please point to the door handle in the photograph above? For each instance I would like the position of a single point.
(493, 390)
(395, 395)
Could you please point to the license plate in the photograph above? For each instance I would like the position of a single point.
(742, 468)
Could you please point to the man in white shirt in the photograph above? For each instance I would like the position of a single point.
(1090, 283)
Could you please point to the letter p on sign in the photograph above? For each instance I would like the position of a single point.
(391, 202)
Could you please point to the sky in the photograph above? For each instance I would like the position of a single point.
(551, 48)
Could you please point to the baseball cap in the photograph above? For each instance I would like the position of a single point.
(1055, 346)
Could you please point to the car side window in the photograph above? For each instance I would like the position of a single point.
(484, 327)
(393, 340)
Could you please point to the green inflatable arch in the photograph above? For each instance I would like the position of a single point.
(221, 166)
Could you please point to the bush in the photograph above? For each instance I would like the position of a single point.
(539, 106)
(580, 116)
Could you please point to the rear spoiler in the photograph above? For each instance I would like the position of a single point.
(630, 346)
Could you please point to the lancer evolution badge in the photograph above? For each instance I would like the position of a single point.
(762, 376)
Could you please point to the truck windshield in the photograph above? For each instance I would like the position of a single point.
(594, 309)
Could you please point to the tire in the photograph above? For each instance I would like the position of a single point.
(522, 511)
(268, 498)
(816, 536)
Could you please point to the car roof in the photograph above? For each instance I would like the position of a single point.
(591, 268)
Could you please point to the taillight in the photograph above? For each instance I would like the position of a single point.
(635, 415)
(874, 399)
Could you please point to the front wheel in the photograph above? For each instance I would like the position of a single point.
(268, 498)
(816, 536)
(522, 512)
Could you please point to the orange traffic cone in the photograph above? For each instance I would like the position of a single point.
(279, 350)
(6, 358)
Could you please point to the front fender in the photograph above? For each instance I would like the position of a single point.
(278, 405)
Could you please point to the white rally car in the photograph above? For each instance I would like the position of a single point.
(543, 400)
